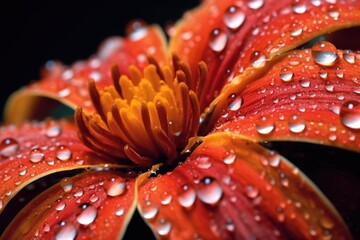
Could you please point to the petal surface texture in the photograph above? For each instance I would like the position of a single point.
(230, 188)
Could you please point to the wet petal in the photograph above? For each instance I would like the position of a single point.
(99, 205)
(235, 35)
(231, 188)
(307, 95)
(69, 85)
(37, 149)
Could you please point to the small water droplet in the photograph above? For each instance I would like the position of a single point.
(66, 232)
(78, 192)
(273, 159)
(203, 162)
(230, 158)
(295, 30)
(257, 59)
(209, 191)
(60, 206)
(149, 210)
(286, 74)
(63, 153)
(304, 82)
(350, 114)
(53, 131)
(230, 226)
(234, 17)
(64, 92)
(36, 155)
(255, 4)
(66, 184)
(296, 124)
(298, 6)
(164, 227)
(333, 12)
(323, 73)
(116, 188)
(324, 53)
(339, 72)
(87, 214)
(136, 29)
(349, 56)
(8, 147)
(218, 40)
(186, 196)
(120, 212)
(265, 125)
(315, 3)
(251, 191)
(234, 102)
(165, 198)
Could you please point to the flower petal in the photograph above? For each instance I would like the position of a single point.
(69, 85)
(231, 188)
(298, 99)
(34, 150)
(97, 205)
(231, 36)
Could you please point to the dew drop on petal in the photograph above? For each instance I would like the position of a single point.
(234, 17)
(186, 196)
(36, 155)
(116, 188)
(255, 4)
(66, 184)
(298, 6)
(257, 59)
(295, 30)
(350, 114)
(203, 162)
(333, 12)
(264, 125)
(164, 227)
(218, 40)
(234, 102)
(165, 198)
(324, 53)
(63, 153)
(230, 158)
(274, 159)
(8, 147)
(323, 73)
(53, 131)
(87, 214)
(67, 232)
(136, 29)
(230, 226)
(119, 212)
(296, 124)
(209, 191)
(286, 74)
(305, 83)
(60, 206)
(251, 191)
(149, 210)
(349, 56)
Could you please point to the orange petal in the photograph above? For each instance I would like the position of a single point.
(69, 85)
(299, 98)
(231, 36)
(34, 150)
(92, 205)
(231, 188)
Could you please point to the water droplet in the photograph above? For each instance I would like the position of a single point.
(324, 53)
(36, 155)
(87, 215)
(63, 153)
(298, 6)
(295, 30)
(315, 3)
(67, 232)
(218, 40)
(60, 206)
(323, 73)
(53, 131)
(78, 192)
(349, 56)
(94, 198)
(305, 83)
(149, 210)
(257, 59)
(209, 191)
(230, 226)
(234, 102)
(339, 72)
(286, 74)
(251, 191)
(296, 124)
(64, 92)
(186, 196)
(66, 184)
(165, 198)
(164, 227)
(8, 147)
(116, 188)
(230, 158)
(333, 12)
(255, 4)
(264, 125)
(274, 159)
(203, 162)
(136, 29)
(120, 212)
(350, 114)
(234, 17)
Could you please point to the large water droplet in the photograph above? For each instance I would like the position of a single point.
(350, 114)
(164, 227)
(257, 59)
(234, 17)
(230, 158)
(209, 191)
(165, 198)
(234, 102)
(66, 232)
(186, 196)
(36, 155)
(63, 153)
(298, 6)
(149, 210)
(218, 40)
(286, 74)
(87, 214)
(296, 124)
(53, 131)
(8, 147)
(264, 125)
(255, 4)
(116, 188)
(324, 53)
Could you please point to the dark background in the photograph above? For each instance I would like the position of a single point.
(33, 32)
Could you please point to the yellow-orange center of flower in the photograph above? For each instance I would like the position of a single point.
(146, 118)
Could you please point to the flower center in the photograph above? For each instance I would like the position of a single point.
(146, 118)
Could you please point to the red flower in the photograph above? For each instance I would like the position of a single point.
(175, 131)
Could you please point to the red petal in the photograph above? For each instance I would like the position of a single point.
(92, 205)
(230, 35)
(69, 85)
(297, 99)
(34, 150)
(230, 188)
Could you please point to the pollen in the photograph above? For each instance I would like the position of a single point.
(145, 118)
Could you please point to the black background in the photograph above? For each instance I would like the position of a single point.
(33, 32)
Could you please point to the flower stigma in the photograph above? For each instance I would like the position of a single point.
(147, 118)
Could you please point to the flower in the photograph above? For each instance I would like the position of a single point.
(175, 131)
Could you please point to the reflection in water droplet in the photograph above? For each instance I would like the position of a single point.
(218, 40)
(186, 196)
(8, 147)
(209, 191)
(116, 188)
(164, 227)
(234, 102)
(257, 59)
(67, 232)
(264, 125)
(324, 53)
(63, 153)
(350, 114)
(255, 4)
(234, 17)
(87, 215)
(296, 124)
